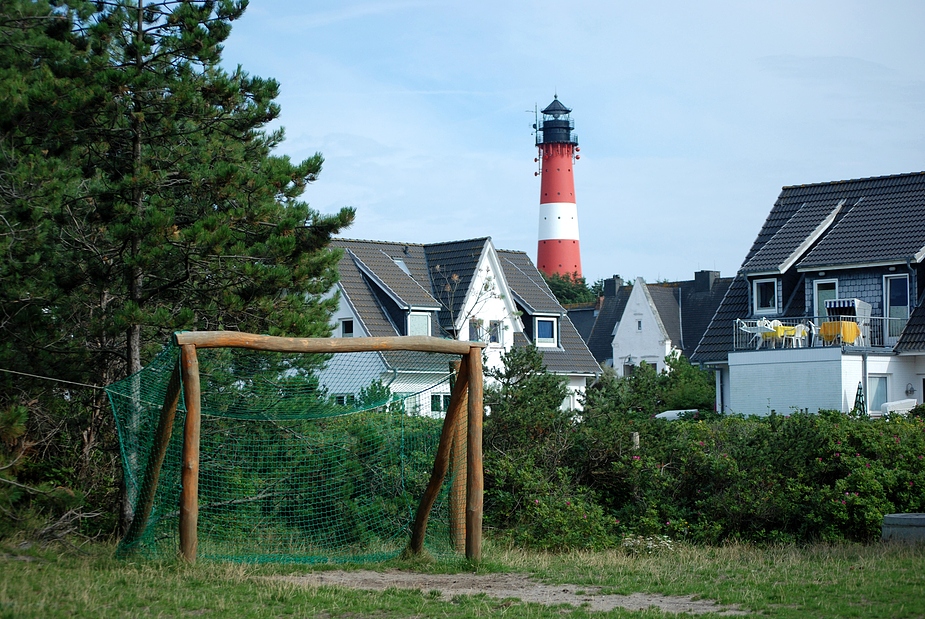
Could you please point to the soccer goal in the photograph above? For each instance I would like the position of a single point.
(256, 448)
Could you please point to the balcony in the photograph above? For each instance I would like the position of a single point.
(813, 331)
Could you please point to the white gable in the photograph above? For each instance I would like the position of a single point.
(640, 335)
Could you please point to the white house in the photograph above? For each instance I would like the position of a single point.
(827, 309)
(648, 322)
(460, 289)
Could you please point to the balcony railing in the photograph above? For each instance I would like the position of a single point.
(869, 332)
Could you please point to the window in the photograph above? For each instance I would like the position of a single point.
(764, 293)
(475, 330)
(639, 325)
(896, 304)
(440, 402)
(546, 332)
(345, 399)
(877, 392)
(824, 290)
(346, 328)
(418, 323)
(494, 332)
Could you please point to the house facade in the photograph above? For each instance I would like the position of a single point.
(648, 322)
(827, 309)
(465, 290)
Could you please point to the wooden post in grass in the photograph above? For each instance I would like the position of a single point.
(457, 472)
(189, 476)
(441, 460)
(156, 460)
(475, 484)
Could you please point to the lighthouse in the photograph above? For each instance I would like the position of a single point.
(558, 247)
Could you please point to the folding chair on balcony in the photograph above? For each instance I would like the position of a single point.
(758, 331)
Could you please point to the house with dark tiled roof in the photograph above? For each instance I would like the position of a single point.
(459, 289)
(827, 309)
(665, 318)
(648, 322)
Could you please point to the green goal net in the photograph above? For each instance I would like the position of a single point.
(303, 457)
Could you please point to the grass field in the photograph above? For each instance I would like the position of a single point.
(787, 581)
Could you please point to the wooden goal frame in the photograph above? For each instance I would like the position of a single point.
(466, 396)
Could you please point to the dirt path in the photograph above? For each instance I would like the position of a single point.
(503, 586)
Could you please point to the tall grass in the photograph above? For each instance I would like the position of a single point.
(845, 580)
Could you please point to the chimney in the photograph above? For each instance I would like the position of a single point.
(611, 285)
(703, 280)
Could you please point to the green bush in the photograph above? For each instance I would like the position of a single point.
(555, 480)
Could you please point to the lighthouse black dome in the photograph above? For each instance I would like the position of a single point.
(556, 127)
(556, 109)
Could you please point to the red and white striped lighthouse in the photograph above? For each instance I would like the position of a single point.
(558, 247)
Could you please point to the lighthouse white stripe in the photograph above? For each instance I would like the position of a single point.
(558, 220)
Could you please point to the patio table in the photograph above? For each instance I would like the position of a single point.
(846, 331)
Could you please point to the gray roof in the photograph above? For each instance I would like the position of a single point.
(879, 220)
(527, 284)
(583, 316)
(912, 338)
(600, 341)
(886, 223)
(785, 246)
(450, 269)
(439, 275)
(382, 264)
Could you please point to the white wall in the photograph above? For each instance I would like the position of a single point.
(812, 379)
(488, 305)
(783, 380)
(647, 344)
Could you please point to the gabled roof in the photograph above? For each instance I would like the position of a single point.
(440, 275)
(879, 220)
(794, 238)
(885, 225)
(385, 268)
(527, 285)
(600, 342)
(583, 316)
(664, 303)
(912, 338)
(451, 268)
(531, 292)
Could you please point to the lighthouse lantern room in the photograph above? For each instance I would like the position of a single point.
(558, 246)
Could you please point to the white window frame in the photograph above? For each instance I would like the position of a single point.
(763, 310)
(891, 335)
(442, 401)
(870, 396)
(816, 308)
(475, 329)
(343, 323)
(412, 316)
(546, 341)
(495, 335)
(345, 399)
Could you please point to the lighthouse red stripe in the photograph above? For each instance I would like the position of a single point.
(557, 182)
(562, 256)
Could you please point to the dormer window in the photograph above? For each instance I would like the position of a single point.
(764, 295)
(547, 331)
(419, 323)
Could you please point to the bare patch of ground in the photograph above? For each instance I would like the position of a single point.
(507, 586)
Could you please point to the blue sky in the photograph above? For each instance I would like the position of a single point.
(691, 116)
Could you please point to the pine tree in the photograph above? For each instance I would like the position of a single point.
(139, 192)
